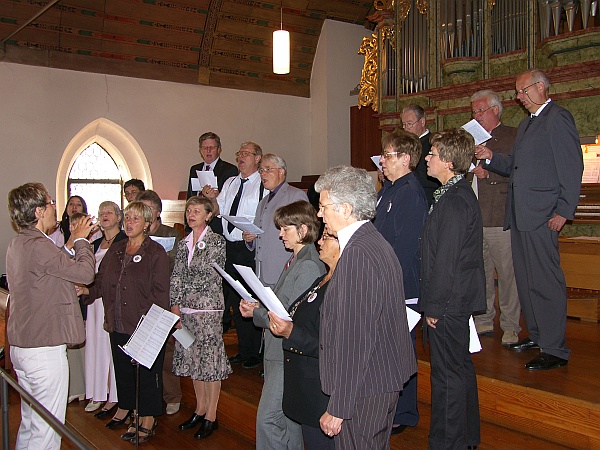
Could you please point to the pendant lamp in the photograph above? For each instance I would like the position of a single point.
(281, 49)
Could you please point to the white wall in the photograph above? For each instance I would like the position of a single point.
(43, 109)
(336, 72)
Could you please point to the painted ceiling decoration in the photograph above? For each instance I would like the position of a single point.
(220, 43)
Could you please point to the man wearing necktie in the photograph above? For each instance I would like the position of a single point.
(210, 150)
(491, 189)
(545, 168)
(240, 197)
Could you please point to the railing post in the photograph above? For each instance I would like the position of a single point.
(4, 397)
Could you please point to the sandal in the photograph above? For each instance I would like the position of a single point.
(148, 433)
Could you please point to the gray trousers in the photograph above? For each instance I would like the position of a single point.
(274, 431)
(497, 255)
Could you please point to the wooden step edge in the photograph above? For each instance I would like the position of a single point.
(238, 414)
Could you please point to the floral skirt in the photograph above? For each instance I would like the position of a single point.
(205, 359)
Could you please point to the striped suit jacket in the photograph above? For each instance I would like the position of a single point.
(365, 347)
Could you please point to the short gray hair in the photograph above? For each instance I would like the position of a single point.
(492, 99)
(278, 160)
(346, 184)
(538, 76)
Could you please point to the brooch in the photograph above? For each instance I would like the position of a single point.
(312, 297)
(137, 258)
(201, 245)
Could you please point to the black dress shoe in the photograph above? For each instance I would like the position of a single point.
(237, 359)
(252, 362)
(398, 429)
(116, 423)
(191, 422)
(206, 429)
(103, 413)
(525, 344)
(545, 362)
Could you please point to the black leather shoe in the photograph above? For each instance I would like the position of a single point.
(112, 423)
(237, 359)
(252, 362)
(191, 422)
(525, 344)
(545, 362)
(103, 413)
(206, 429)
(398, 429)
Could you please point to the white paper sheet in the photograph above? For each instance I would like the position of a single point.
(475, 129)
(265, 294)
(376, 160)
(207, 177)
(184, 337)
(150, 335)
(243, 224)
(239, 287)
(167, 242)
(474, 343)
(196, 187)
(413, 318)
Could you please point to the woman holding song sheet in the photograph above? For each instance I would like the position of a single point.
(197, 297)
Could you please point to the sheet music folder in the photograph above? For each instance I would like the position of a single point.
(150, 335)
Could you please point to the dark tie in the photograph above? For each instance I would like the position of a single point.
(207, 167)
(531, 119)
(236, 203)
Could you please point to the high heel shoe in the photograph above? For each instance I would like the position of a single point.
(105, 412)
(116, 423)
(148, 433)
(206, 429)
(191, 422)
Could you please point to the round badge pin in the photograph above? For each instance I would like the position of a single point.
(137, 258)
(312, 297)
(201, 245)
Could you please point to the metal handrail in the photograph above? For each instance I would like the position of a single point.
(37, 407)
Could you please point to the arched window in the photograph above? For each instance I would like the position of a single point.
(95, 176)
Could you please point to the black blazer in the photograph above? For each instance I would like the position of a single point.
(303, 399)
(223, 170)
(429, 184)
(452, 276)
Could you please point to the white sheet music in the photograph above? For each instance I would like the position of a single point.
(243, 224)
(150, 335)
(167, 242)
(206, 177)
(265, 294)
(239, 287)
(474, 343)
(376, 160)
(475, 129)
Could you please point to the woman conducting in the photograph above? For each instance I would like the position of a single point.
(45, 315)
(303, 400)
(100, 384)
(299, 228)
(197, 298)
(134, 274)
(452, 288)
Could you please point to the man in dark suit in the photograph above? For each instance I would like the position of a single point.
(365, 350)
(491, 189)
(545, 168)
(414, 121)
(210, 150)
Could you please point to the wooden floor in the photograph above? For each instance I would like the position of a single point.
(496, 368)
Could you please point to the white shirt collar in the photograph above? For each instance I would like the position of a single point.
(537, 113)
(425, 133)
(347, 232)
(212, 164)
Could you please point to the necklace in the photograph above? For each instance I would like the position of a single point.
(109, 241)
(310, 296)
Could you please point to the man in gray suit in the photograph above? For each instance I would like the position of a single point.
(270, 253)
(365, 350)
(545, 168)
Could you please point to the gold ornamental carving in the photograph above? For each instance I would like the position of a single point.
(368, 94)
(388, 33)
(492, 3)
(422, 6)
(403, 9)
(381, 5)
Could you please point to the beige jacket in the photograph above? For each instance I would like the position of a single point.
(44, 310)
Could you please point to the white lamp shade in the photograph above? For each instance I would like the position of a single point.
(281, 52)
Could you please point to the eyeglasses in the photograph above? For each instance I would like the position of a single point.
(243, 154)
(477, 112)
(322, 207)
(328, 237)
(209, 147)
(386, 155)
(524, 90)
(267, 169)
(433, 154)
(51, 202)
(409, 124)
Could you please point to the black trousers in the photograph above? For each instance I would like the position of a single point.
(454, 401)
(151, 388)
(407, 412)
(249, 336)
